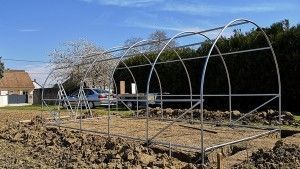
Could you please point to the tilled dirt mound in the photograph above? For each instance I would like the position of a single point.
(265, 117)
(283, 155)
(69, 149)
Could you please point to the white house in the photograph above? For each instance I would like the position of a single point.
(16, 87)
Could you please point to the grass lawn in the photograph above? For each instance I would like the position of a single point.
(297, 117)
(101, 111)
(27, 107)
(17, 113)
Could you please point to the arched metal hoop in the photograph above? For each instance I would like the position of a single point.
(132, 47)
(191, 93)
(205, 67)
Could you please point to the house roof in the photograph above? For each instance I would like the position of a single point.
(16, 79)
(36, 84)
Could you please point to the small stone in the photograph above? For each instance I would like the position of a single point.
(236, 113)
(137, 149)
(111, 165)
(245, 123)
(128, 155)
(266, 122)
(146, 159)
(271, 112)
(189, 166)
(264, 114)
(17, 137)
(169, 111)
(289, 116)
(118, 156)
(110, 145)
(71, 140)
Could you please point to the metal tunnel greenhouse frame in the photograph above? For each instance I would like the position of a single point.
(194, 100)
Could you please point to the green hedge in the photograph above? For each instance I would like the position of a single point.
(250, 72)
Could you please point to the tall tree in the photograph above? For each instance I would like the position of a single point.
(73, 60)
(159, 36)
(137, 49)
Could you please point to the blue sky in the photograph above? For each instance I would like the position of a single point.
(31, 29)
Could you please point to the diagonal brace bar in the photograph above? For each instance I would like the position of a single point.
(175, 120)
(255, 109)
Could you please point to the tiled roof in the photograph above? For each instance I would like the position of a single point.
(13, 79)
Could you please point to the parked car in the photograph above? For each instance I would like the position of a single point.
(94, 96)
(131, 100)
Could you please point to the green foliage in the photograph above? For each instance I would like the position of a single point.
(252, 72)
(34, 107)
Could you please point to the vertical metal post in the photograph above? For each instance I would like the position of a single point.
(151, 72)
(80, 120)
(230, 111)
(116, 93)
(59, 102)
(192, 113)
(247, 151)
(202, 132)
(147, 119)
(280, 119)
(170, 149)
(202, 86)
(137, 100)
(108, 112)
(80, 101)
(219, 161)
(58, 108)
(42, 112)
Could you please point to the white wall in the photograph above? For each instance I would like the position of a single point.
(3, 92)
(30, 97)
(3, 100)
(17, 92)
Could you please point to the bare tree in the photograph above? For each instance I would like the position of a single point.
(73, 60)
(139, 48)
(159, 41)
(160, 37)
(131, 41)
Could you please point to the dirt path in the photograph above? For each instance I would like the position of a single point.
(176, 134)
(11, 116)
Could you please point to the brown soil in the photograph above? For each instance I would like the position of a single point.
(10, 116)
(179, 133)
(32, 145)
(282, 155)
(265, 117)
(36, 146)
